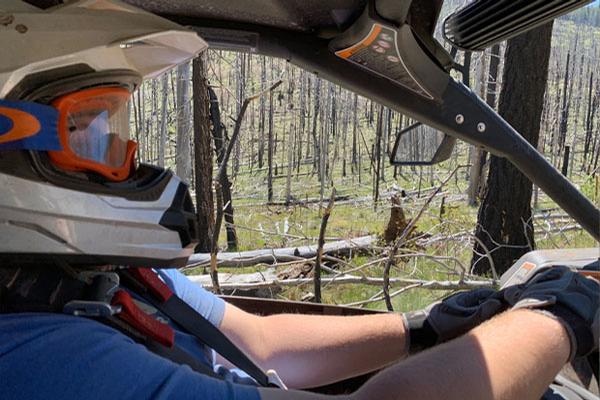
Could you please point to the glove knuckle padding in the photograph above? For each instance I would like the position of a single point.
(461, 312)
(490, 308)
(452, 317)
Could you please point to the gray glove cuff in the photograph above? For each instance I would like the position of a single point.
(540, 306)
(418, 331)
(406, 334)
(568, 329)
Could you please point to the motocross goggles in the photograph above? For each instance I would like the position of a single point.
(85, 131)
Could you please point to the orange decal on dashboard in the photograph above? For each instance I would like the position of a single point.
(528, 266)
(365, 42)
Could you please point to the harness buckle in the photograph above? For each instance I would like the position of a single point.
(102, 286)
(82, 308)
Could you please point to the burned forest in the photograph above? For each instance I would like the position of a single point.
(296, 197)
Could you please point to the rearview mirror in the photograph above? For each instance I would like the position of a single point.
(420, 144)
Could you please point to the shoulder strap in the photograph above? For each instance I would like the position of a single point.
(148, 285)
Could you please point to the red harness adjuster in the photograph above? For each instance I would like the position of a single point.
(150, 280)
(144, 323)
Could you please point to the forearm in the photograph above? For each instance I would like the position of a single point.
(514, 356)
(309, 351)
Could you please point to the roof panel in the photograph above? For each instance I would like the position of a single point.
(298, 15)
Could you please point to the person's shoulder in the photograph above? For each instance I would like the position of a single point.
(21, 328)
(59, 356)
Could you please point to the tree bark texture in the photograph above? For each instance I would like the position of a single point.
(164, 120)
(183, 159)
(202, 155)
(504, 222)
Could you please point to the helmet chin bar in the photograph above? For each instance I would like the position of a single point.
(54, 224)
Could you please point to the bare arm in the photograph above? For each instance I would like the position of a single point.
(514, 356)
(309, 350)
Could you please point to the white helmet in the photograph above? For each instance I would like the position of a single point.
(104, 35)
(70, 188)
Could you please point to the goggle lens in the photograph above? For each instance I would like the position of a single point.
(98, 130)
(93, 128)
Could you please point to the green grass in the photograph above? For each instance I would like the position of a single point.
(256, 223)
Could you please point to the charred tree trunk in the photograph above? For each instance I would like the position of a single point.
(355, 143)
(183, 156)
(564, 115)
(377, 154)
(202, 155)
(316, 112)
(476, 175)
(589, 121)
(164, 112)
(261, 120)
(241, 95)
(504, 221)
(218, 130)
(270, 151)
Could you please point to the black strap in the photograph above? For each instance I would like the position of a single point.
(179, 356)
(194, 323)
(175, 353)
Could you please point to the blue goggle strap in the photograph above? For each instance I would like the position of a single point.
(26, 125)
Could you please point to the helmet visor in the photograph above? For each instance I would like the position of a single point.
(94, 132)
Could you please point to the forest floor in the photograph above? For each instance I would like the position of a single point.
(443, 251)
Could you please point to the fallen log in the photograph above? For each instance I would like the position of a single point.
(268, 279)
(271, 256)
(300, 202)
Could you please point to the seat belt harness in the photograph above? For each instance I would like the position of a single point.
(148, 285)
(144, 323)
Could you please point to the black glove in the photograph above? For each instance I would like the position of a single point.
(569, 297)
(451, 317)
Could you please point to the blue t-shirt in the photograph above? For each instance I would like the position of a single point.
(54, 356)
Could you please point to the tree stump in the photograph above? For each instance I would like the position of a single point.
(397, 222)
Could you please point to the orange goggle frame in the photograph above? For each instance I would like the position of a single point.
(108, 100)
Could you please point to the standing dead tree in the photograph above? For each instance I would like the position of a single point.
(202, 154)
(164, 120)
(218, 132)
(183, 160)
(504, 213)
(320, 244)
(377, 154)
(221, 174)
(479, 157)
